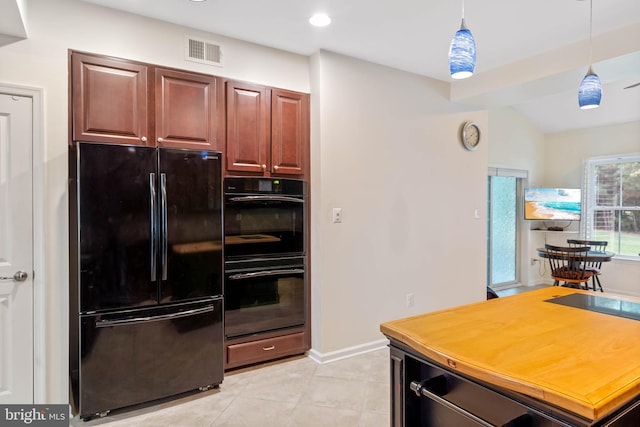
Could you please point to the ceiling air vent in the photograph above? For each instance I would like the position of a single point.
(203, 51)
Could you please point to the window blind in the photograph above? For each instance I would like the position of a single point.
(515, 173)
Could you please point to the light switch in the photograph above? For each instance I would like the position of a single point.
(337, 215)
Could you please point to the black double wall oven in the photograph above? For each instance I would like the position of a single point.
(265, 268)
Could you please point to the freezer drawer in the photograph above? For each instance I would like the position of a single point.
(137, 356)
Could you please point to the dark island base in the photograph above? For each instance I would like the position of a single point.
(426, 394)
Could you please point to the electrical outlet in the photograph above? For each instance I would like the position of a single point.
(337, 215)
(410, 299)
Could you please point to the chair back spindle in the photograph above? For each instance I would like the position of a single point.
(568, 265)
(593, 266)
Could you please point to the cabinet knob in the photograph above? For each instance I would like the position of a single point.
(264, 167)
(275, 167)
(160, 140)
(143, 139)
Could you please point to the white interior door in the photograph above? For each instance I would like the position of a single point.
(16, 250)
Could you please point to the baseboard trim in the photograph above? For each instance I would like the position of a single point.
(345, 353)
(620, 292)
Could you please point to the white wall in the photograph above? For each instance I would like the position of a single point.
(517, 144)
(385, 149)
(42, 61)
(564, 153)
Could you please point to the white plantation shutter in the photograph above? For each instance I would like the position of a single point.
(611, 199)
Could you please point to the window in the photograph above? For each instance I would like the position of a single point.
(612, 205)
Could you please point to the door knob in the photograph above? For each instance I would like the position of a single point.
(20, 276)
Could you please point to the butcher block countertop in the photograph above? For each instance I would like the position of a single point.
(583, 361)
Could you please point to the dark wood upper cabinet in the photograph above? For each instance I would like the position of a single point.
(120, 101)
(189, 110)
(289, 132)
(262, 131)
(248, 135)
(267, 130)
(110, 100)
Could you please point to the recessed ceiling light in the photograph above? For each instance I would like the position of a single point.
(320, 20)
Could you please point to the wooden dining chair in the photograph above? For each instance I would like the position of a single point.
(568, 266)
(595, 266)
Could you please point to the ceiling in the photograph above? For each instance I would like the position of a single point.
(532, 55)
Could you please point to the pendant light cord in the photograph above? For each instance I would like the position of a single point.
(590, 33)
(463, 25)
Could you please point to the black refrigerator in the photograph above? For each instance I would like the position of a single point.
(145, 227)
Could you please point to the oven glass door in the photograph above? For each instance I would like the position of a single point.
(263, 225)
(264, 300)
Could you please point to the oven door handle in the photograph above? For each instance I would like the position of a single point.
(264, 273)
(266, 199)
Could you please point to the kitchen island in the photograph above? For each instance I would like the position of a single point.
(550, 357)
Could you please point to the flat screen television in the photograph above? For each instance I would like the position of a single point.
(561, 204)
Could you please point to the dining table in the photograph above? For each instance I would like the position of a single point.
(592, 256)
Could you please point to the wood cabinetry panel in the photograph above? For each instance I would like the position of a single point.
(189, 110)
(110, 100)
(247, 127)
(289, 131)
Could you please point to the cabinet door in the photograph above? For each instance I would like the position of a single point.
(248, 136)
(189, 110)
(110, 100)
(115, 217)
(289, 132)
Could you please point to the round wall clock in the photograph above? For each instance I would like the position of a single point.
(470, 135)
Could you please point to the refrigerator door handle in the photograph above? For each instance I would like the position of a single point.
(153, 225)
(163, 213)
(144, 319)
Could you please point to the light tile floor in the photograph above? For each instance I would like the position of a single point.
(352, 392)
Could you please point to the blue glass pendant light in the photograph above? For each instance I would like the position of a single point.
(590, 91)
(462, 52)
